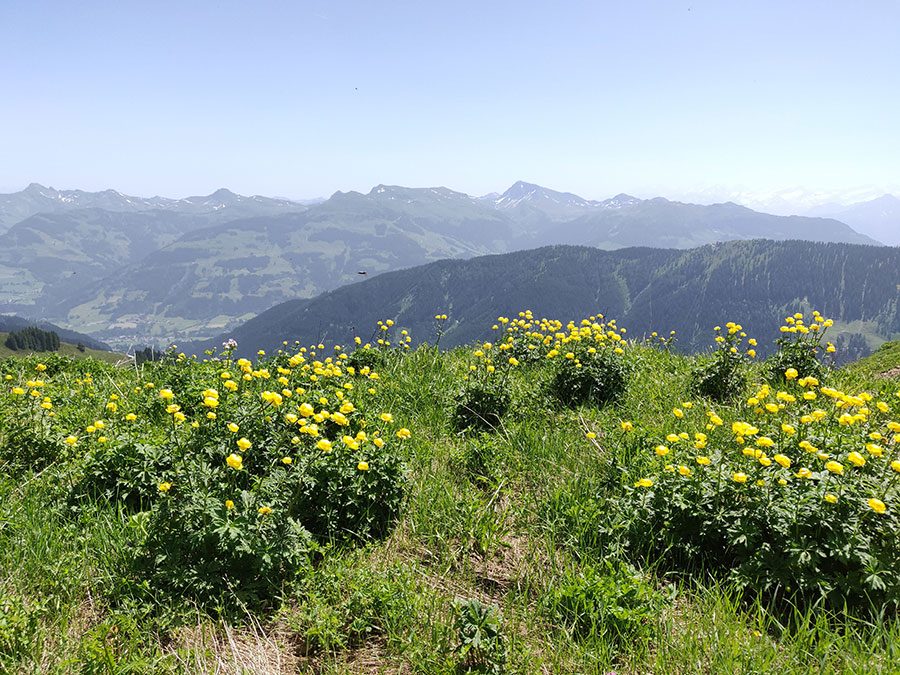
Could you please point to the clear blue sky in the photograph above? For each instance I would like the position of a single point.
(302, 98)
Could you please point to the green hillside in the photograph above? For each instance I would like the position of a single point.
(559, 500)
(650, 289)
(65, 349)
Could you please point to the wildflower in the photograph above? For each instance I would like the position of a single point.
(591, 435)
(685, 471)
(324, 445)
(678, 412)
(790, 374)
(164, 487)
(856, 459)
(803, 473)
(229, 504)
(895, 465)
(166, 394)
(830, 498)
(235, 461)
(783, 460)
(386, 417)
(739, 477)
(661, 451)
(835, 467)
(130, 417)
(232, 427)
(363, 466)
(626, 426)
(402, 433)
(244, 444)
(644, 482)
(286, 460)
(18, 391)
(265, 510)
(876, 505)
(874, 450)
(703, 460)
(71, 440)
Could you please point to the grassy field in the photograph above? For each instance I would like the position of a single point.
(527, 546)
(65, 349)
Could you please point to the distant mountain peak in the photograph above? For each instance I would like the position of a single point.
(523, 192)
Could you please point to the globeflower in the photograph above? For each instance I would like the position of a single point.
(739, 477)
(363, 466)
(644, 482)
(835, 467)
(876, 505)
(164, 487)
(244, 444)
(235, 461)
(856, 459)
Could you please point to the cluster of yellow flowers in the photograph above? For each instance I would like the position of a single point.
(811, 434)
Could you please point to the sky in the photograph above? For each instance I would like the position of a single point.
(305, 97)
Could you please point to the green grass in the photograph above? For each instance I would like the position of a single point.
(507, 518)
(65, 349)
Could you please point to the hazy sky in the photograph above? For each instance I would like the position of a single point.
(302, 98)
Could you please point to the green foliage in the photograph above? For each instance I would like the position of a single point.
(33, 339)
(722, 376)
(481, 405)
(594, 378)
(18, 625)
(481, 645)
(798, 348)
(608, 601)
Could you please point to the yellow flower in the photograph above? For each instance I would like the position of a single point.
(644, 482)
(803, 473)
(830, 498)
(739, 477)
(678, 412)
(790, 374)
(286, 460)
(591, 435)
(834, 467)
(265, 510)
(244, 444)
(895, 465)
(856, 459)
(783, 460)
(703, 460)
(164, 487)
(363, 466)
(235, 461)
(229, 504)
(130, 417)
(307, 410)
(324, 445)
(18, 391)
(402, 433)
(685, 471)
(626, 426)
(386, 417)
(232, 427)
(211, 402)
(876, 505)
(71, 440)
(166, 394)
(661, 451)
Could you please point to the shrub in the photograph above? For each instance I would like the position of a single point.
(801, 503)
(239, 471)
(722, 377)
(481, 406)
(594, 379)
(799, 348)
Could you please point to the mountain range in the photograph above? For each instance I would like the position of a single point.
(756, 283)
(152, 270)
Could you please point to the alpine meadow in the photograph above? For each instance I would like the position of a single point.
(449, 339)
